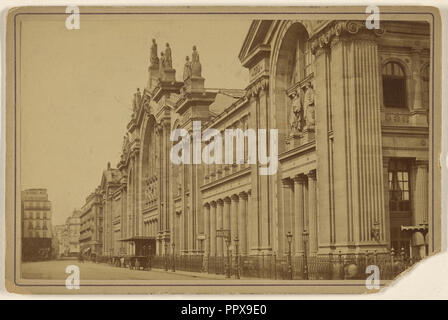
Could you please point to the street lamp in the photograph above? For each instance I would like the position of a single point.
(225, 233)
(149, 257)
(289, 237)
(166, 256)
(174, 258)
(305, 236)
(237, 263)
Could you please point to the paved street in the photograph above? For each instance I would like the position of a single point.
(55, 270)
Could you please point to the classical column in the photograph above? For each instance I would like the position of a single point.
(420, 202)
(385, 220)
(242, 223)
(219, 225)
(206, 235)
(206, 228)
(226, 217)
(286, 219)
(213, 229)
(298, 213)
(234, 217)
(312, 212)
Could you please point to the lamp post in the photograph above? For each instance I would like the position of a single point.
(237, 262)
(228, 257)
(305, 236)
(174, 258)
(289, 238)
(166, 256)
(149, 257)
(225, 233)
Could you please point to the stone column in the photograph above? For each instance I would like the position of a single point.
(385, 221)
(226, 218)
(242, 222)
(312, 212)
(206, 235)
(420, 202)
(213, 229)
(219, 225)
(286, 221)
(298, 213)
(357, 151)
(234, 217)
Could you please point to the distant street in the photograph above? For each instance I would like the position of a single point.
(55, 270)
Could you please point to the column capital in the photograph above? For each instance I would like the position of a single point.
(220, 202)
(243, 195)
(206, 205)
(300, 178)
(213, 204)
(312, 174)
(234, 197)
(287, 182)
(227, 199)
(421, 163)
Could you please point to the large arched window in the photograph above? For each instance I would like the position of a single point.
(394, 86)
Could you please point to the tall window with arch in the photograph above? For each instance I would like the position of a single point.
(394, 85)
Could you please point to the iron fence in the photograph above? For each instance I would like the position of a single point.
(270, 266)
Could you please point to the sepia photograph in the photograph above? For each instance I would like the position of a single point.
(221, 149)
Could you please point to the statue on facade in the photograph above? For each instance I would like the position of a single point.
(296, 119)
(308, 106)
(137, 99)
(162, 64)
(187, 68)
(168, 58)
(154, 60)
(196, 68)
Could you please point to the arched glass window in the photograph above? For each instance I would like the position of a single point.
(394, 85)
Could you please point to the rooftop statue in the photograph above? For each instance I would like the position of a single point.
(168, 58)
(154, 60)
(196, 68)
(187, 68)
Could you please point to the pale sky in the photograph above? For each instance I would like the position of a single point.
(77, 86)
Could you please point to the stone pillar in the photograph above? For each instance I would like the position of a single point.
(385, 221)
(206, 235)
(312, 213)
(234, 217)
(357, 151)
(226, 218)
(298, 213)
(419, 113)
(219, 225)
(286, 219)
(420, 202)
(213, 229)
(242, 222)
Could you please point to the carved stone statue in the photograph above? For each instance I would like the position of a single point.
(137, 99)
(296, 121)
(162, 64)
(168, 58)
(196, 68)
(308, 106)
(154, 60)
(187, 68)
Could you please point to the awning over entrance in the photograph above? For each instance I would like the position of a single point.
(144, 245)
(423, 228)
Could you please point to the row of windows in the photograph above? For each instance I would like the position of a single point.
(37, 215)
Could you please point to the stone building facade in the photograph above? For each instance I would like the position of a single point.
(351, 107)
(36, 224)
